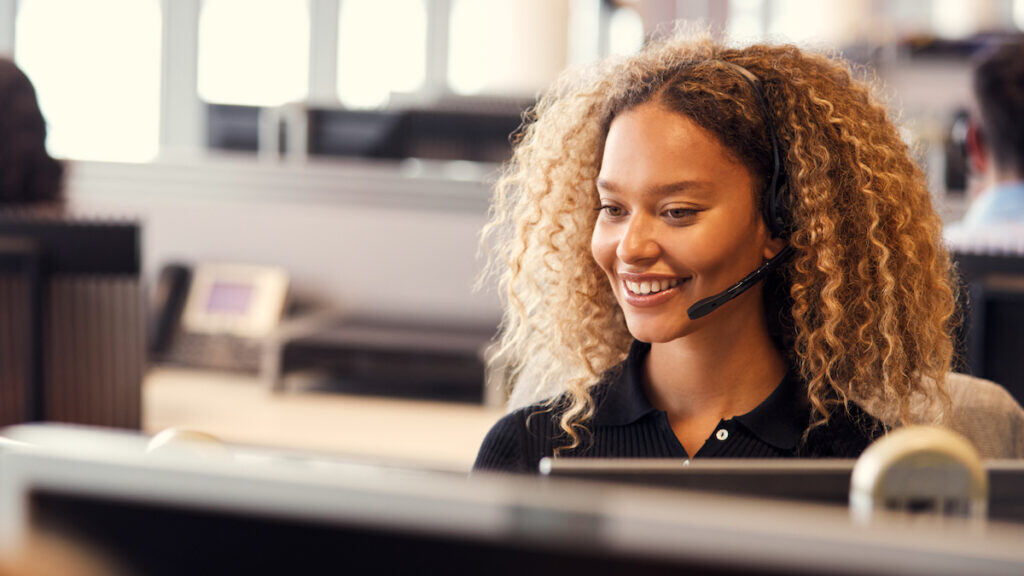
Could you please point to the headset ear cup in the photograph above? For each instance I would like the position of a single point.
(770, 211)
(783, 216)
(776, 211)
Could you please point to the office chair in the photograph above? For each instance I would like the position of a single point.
(981, 411)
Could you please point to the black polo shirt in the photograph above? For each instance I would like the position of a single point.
(626, 425)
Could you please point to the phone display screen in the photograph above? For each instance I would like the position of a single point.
(234, 299)
(229, 298)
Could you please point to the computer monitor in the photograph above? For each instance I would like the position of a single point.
(479, 134)
(181, 514)
(358, 133)
(995, 343)
(71, 320)
(825, 481)
(975, 335)
(475, 129)
(1006, 490)
(233, 127)
(820, 481)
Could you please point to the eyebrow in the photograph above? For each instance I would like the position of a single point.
(697, 186)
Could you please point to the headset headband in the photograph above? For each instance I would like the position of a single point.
(773, 204)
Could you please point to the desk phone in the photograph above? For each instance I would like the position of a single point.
(216, 315)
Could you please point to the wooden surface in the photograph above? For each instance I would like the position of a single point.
(240, 409)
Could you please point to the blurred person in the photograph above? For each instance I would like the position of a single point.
(29, 176)
(995, 151)
(708, 251)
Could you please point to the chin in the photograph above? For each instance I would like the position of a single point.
(656, 334)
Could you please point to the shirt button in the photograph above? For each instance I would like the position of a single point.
(722, 434)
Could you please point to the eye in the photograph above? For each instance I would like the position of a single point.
(612, 211)
(680, 213)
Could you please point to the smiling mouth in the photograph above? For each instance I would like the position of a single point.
(648, 287)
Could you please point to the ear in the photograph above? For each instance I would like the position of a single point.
(772, 247)
(977, 149)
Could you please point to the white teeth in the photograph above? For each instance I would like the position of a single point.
(651, 286)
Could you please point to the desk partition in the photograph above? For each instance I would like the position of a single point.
(71, 321)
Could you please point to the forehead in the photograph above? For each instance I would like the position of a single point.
(650, 146)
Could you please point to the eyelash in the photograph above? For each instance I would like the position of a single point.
(685, 212)
(607, 208)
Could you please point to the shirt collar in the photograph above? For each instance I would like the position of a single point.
(623, 400)
(1002, 203)
(779, 420)
(1009, 187)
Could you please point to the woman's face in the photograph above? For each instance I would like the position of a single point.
(678, 223)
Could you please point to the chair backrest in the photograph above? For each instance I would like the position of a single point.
(987, 414)
(981, 410)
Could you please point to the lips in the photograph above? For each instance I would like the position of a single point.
(641, 291)
(651, 286)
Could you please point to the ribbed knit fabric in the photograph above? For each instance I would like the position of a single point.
(511, 446)
(625, 425)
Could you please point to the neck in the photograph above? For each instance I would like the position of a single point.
(724, 369)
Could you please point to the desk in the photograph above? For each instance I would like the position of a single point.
(241, 409)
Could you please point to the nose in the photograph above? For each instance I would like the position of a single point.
(638, 242)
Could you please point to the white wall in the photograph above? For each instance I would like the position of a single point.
(388, 238)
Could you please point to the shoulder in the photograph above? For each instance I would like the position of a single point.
(518, 441)
(500, 449)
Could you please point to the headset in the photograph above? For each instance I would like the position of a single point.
(774, 209)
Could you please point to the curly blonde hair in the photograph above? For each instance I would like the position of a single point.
(867, 302)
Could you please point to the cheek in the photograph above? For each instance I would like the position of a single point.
(724, 244)
(602, 248)
(708, 252)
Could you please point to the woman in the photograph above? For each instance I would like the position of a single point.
(637, 203)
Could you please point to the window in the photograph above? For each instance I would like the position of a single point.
(509, 47)
(802, 22)
(952, 19)
(625, 31)
(253, 52)
(96, 68)
(746, 20)
(381, 49)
